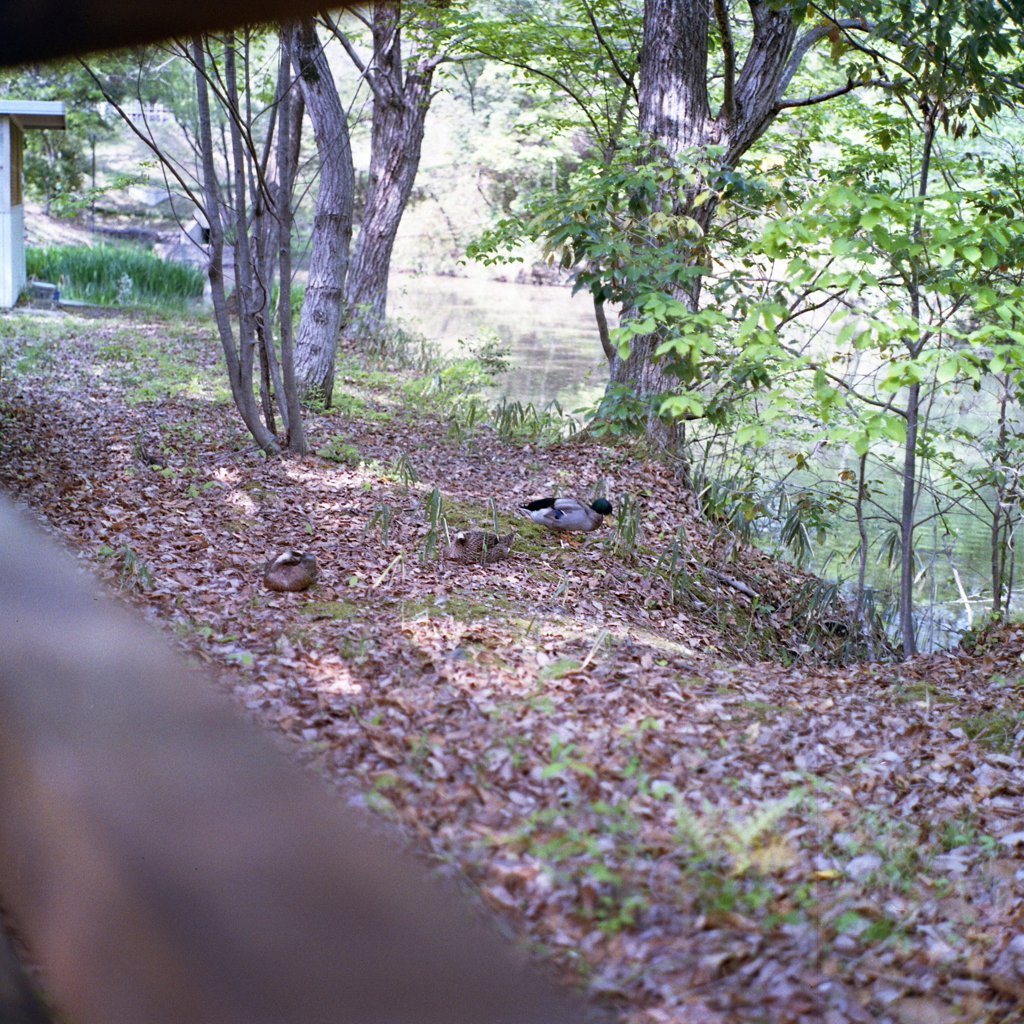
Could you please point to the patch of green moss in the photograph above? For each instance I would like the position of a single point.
(242, 525)
(465, 609)
(352, 406)
(559, 667)
(915, 690)
(763, 711)
(332, 609)
(339, 450)
(996, 730)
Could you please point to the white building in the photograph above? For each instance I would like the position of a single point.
(15, 117)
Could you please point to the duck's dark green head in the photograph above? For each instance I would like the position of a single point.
(602, 506)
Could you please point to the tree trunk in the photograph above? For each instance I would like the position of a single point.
(675, 113)
(908, 506)
(603, 333)
(913, 409)
(401, 99)
(323, 305)
(1000, 525)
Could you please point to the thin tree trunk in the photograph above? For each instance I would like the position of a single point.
(907, 627)
(913, 409)
(239, 368)
(265, 250)
(401, 99)
(323, 306)
(290, 111)
(862, 561)
(1000, 528)
(604, 333)
(247, 341)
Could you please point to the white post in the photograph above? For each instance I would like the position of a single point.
(12, 218)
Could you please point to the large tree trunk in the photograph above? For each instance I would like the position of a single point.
(319, 325)
(675, 112)
(289, 128)
(401, 99)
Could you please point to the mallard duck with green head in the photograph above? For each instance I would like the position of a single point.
(479, 546)
(567, 515)
(291, 571)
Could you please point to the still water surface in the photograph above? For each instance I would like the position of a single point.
(551, 334)
(556, 355)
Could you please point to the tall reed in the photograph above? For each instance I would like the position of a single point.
(108, 274)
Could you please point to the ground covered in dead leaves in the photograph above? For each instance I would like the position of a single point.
(595, 737)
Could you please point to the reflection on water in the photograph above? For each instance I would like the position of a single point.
(555, 349)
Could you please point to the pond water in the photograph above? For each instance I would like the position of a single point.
(550, 333)
(556, 355)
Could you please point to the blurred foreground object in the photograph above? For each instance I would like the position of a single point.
(166, 864)
(34, 30)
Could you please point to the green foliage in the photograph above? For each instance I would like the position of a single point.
(618, 413)
(578, 59)
(97, 275)
(627, 532)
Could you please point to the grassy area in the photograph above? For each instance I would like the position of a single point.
(113, 275)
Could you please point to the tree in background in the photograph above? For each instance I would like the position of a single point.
(58, 163)
(409, 42)
(582, 59)
(222, 158)
(323, 305)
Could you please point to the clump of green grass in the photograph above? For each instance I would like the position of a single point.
(111, 275)
(339, 450)
(517, 422)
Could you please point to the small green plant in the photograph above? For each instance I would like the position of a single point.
(132, 572)
(437, 525)
(959, 831)
(731, 504)
(517, 423)
(339, 450)
(620, 412)
(381, 519)
(671, 565)
(402, 470)
(628, 530)
(390, 346)
(563, 759)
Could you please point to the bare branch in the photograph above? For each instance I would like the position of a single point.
(728, 59)
(162, 157)
(831, 94)
(809, 39)
(626, 79)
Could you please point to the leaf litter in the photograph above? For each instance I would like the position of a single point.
(674, 793)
